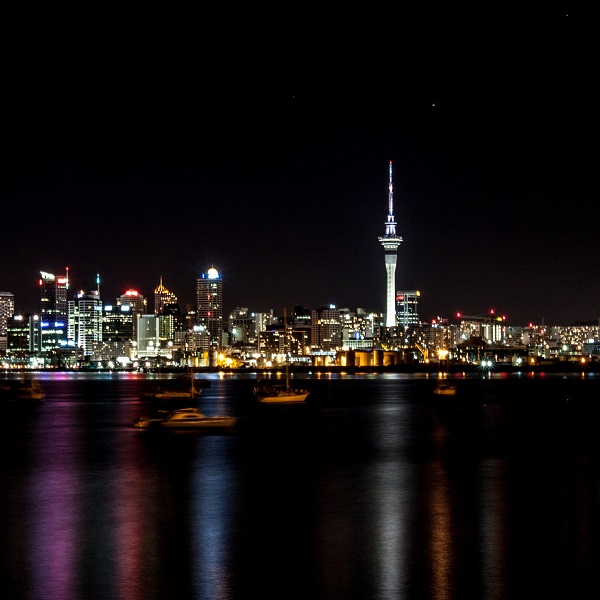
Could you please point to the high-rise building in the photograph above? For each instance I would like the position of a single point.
(7, 311)
(53, 313)
(390, 242)
(326, 328)
(209, 305)
(137, 304)
(148, 336)
(22, 333)
(117, 331)
(162, 298)
(88, 321)
(407, 308)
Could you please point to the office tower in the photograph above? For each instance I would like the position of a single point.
(134, 300)
(117, 324)
(137, 304)
(326, 328)
(148, 336)
(7, 311)
(407, 308)
(22, 334)
(242, 327)
(390, 242)
(162, 298)
(53, 313)
(88, 320)
(209, 305)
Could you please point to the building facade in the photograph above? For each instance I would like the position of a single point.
(209, 306)
(7, 311)
(407, 308)
(53, 311)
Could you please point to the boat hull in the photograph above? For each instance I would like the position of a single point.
(283, 398)
(219, 422)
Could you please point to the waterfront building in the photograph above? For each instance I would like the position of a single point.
(53, 310)
(7, 311)
(390, 242)
(22, 332)
(242, 327)
(326, 328)
(209, 305)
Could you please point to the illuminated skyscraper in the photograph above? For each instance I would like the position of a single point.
(162, 298)
(87, 317)
(209, 305)
(390, 242)
(407, 308)
(53, 313)
(7, 311)
(137, 304)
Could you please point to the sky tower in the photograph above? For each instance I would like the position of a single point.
(390, 242)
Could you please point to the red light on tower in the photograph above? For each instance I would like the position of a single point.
(491, 311)
(458, 315)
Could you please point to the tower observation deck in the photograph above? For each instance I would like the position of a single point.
(390, 242)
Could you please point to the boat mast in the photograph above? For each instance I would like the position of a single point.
(285, 349)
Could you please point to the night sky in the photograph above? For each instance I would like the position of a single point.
(138, 166)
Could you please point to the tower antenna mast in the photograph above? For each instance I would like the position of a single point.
(390, 242)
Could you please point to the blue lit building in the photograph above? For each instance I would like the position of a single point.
(53, 311)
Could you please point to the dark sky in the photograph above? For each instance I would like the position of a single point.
(138, 165)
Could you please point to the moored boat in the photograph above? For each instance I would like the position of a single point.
(443, 388)
(278, 394)
(197, 420)
(157, 417)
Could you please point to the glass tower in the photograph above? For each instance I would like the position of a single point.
(53, 310)
(209, 305)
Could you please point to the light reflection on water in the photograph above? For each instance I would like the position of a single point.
(372, 490)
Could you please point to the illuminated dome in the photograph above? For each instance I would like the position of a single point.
(212, 273)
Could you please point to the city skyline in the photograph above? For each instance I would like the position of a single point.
(279, 180)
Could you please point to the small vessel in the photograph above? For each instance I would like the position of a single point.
(268, 393)
(154, 419)
(179, 419)
(174, 390)
(443, 388)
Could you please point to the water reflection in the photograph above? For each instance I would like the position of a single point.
(372, 490)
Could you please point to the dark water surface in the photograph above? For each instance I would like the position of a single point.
(376, 489)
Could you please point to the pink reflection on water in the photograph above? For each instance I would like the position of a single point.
(55, 514)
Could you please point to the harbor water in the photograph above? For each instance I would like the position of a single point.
(375, 488)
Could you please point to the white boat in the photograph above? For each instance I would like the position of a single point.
(196, 420)
(278, 393)
(445, 389)
(148, 421)
(267, 392)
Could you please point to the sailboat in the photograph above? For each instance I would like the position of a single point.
(178, 392)
(267, 392)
